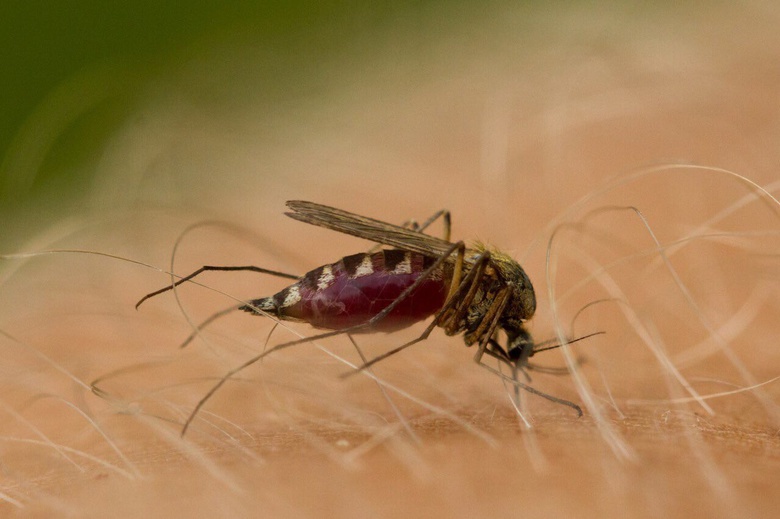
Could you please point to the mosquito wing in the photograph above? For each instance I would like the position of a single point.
(367, 228)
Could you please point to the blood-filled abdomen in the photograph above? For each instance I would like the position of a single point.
(358, 287)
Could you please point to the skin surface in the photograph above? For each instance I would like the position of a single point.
(516, 122)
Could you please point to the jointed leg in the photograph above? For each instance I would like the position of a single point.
(454, 304)
(212, 268)
(532, 390)
(502, 356)
(458, 247)
(451, 315)
(444, 214)
(489, 325)
(413, 225)
(385, 394)
(210, 319)
(447, 223)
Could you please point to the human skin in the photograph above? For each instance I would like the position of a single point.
(509, 141)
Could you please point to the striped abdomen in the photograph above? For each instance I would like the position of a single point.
(356, 288)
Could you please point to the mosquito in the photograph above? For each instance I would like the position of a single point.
(475, 291)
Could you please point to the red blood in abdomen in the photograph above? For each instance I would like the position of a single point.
(352, 301)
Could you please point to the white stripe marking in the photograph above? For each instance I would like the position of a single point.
(365, 268)
(293, 296)
(405, 266)
(326, 278)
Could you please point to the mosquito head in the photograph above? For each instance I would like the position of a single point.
(519, 346)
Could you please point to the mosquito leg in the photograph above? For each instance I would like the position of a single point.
(489, 324)
(531, 389)
(212, 268)
(458, 247)
(436, 322)
(383, 356)
(472, 279)
(499, 353)
(216, 387)
(210, 319)
(452, 300)
(265, 353)
(444, 214)
(454, 313)
(395, 409)
(413, 225)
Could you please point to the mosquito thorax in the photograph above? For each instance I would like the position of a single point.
(522, 304)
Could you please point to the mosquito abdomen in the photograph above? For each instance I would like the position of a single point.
(356, 288)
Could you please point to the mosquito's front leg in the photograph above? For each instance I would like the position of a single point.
(452, 315)
(531, 389)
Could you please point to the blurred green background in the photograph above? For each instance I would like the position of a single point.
(44, 44)
(75, 71)
(124, 105)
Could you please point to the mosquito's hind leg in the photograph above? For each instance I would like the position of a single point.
(458, 248)
(446, 217)
(444, 214)
(206, 268)
(532, 390)
(382, 389)
(513, 380)
(210, 319)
